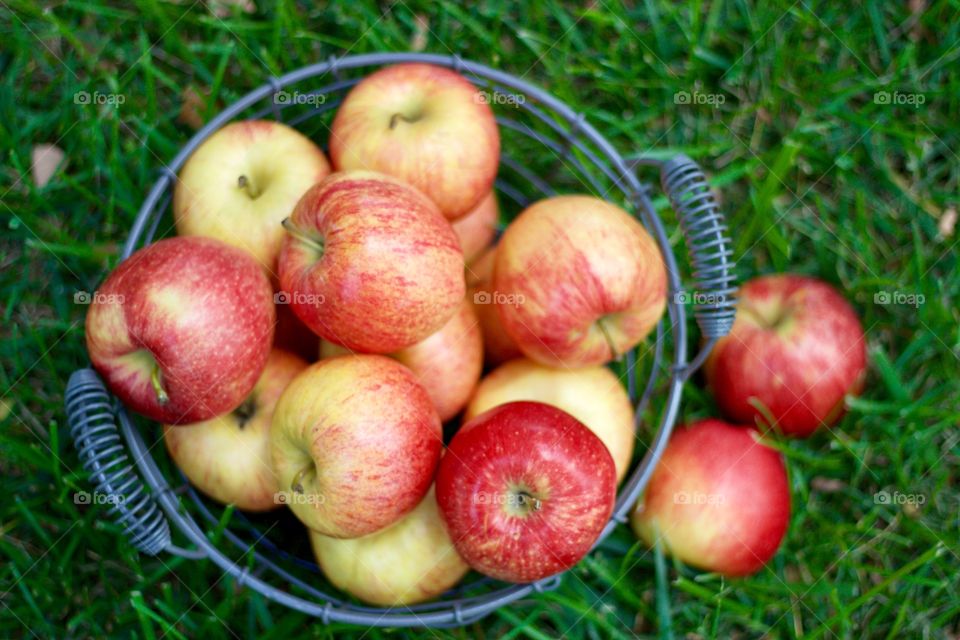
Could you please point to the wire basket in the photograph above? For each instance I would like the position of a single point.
(150, 498)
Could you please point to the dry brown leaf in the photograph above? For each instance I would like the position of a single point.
(948, 221)
(421, 26)
(44, 160)
(222, 8)
(193, 105)
(827, 485)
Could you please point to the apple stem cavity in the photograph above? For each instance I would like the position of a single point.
(247, 185)
(399, 116)
(313, 243)
(296, 485)
(162, 397)
(245, 412)
(602, 325)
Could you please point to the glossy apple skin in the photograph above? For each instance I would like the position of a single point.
(408, 562)
(498, 346)
(228, 457)
(592, 395)
(197, 309)
(368, 438)
(534, 448)
(718, 499)
(280, 163)
(797, 347)
(477, 229)
(451, 149)
(390, 272)
(447, 363)
(574, 266)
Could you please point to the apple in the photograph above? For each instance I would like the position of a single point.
(354, 443)
(447, 363)
(408, 562)
(241, 183)
(477, 229)
(525, 490)
(592, 395)
(797, 348)
(718, 499)
(228, 457)
(291, 334)
(370, 264)
(181, 330)
(578, 281)
(426, 125)
(498, 346)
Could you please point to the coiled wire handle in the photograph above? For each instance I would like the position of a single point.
(93, 428)
(711, 255)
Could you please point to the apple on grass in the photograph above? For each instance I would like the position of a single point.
(498, 346)
(426, 125)
(525, 490)
(370, 264)
(181, 330)
(718, 499)
(796, 349)
(354, 443)
(241, 183)
(477, 229)
(582, 280)
(447, 363)
(592, 395)
(228, 457)
(408, 562)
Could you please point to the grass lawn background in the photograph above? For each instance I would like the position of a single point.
(819, 174)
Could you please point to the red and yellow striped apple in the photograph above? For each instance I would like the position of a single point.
(181, 330)
(426, 125)
(477, 229)
(498, 346)
(580, 281)
(370, 264)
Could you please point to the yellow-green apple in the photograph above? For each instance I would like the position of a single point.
(370, 264)
(292, 335)
(241, 183)
(408, 562)
(228, 457)
(592, 395)
(498, 346)
(796, 348)
(355, 441)
(426, 125)
(477, 229)
(525, 490)
(181, 330)
(579, 281)
(447, 363)
(718, 499)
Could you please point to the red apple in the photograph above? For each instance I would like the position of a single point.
(797, 348)
(354, 443)
(228, 457)
(447, 363)
(578, 281)
(181, 330)
(477, 229)
(498, 346)
(718, 499)
(370, 264)
(426, 125)
(525, 490)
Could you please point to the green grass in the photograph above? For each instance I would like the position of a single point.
(816, 177)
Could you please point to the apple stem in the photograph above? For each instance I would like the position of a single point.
(609, 338)
(162, 396)
(399, 116)
(301, 236)
(527, 499)
(296, 485)
(246, 184)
